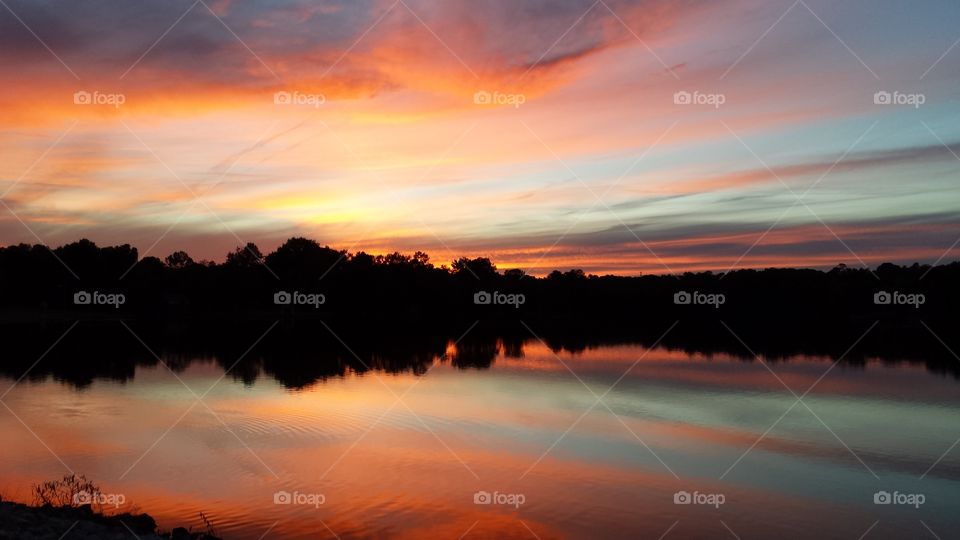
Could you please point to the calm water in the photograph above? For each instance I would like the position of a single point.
(527, 431)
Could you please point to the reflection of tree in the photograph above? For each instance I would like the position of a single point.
(475, 353)
(299, 355)
(512, 346)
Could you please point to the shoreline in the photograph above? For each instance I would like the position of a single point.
(21, 521)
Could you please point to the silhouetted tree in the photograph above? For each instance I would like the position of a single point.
(245, 256)
(481, 268)
(409, 289)
(178, 259)
(514, 274)
(300, 262)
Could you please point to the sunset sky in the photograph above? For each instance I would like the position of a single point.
(589, 162)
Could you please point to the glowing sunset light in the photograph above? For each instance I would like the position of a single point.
(627, 136)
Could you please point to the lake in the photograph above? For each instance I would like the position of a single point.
(617, 441)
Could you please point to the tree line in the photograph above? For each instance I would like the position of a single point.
(35, 279)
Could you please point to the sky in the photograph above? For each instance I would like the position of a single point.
(616, 136)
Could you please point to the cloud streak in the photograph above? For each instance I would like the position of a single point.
(399, 156)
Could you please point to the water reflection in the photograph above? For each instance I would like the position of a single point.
(491, 413)
(299, 356)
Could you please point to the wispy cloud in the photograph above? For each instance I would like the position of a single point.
(388, 162)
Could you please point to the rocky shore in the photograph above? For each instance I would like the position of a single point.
(22, 522)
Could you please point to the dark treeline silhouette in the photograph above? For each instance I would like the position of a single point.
(38, 282)
(400, 313)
